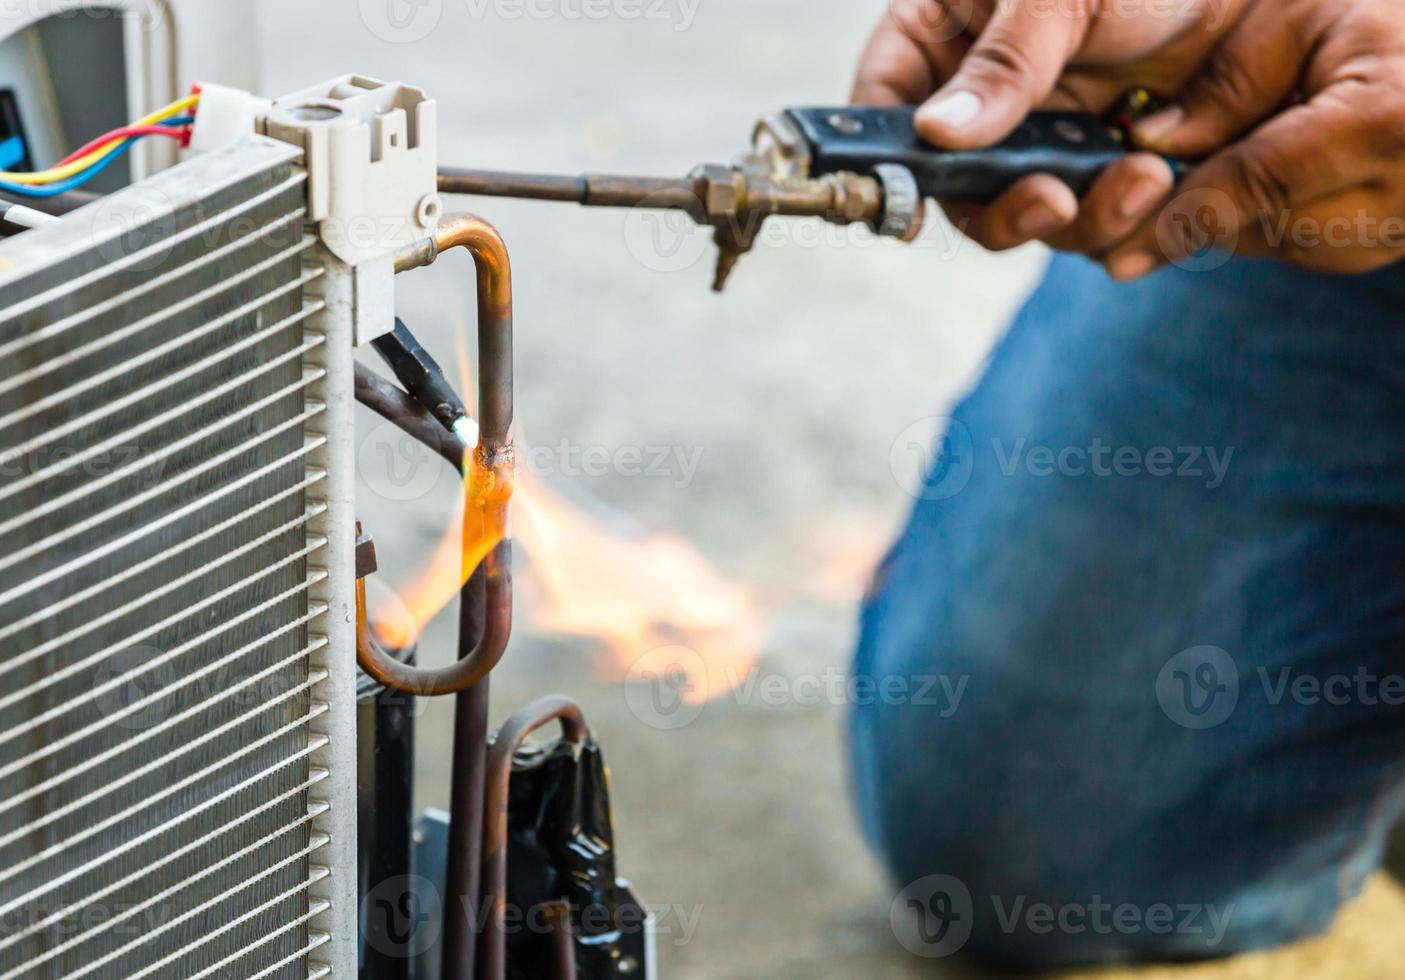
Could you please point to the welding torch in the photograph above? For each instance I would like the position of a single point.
(843, 165)
(425, 381)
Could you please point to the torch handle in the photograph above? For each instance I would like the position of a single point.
(1073, 146)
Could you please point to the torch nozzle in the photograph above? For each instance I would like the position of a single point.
(733, 201)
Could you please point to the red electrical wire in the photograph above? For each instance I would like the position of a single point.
(176, 132)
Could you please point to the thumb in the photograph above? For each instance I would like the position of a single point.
(1013, 66)
(1250, 76)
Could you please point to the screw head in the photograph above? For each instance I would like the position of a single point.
(1069, 131)
(845, 123)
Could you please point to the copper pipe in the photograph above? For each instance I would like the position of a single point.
(563, 946)
(509, 739)
(463, 674)
(489, 468)
(393, 404)
(463, 878)
(494, 315)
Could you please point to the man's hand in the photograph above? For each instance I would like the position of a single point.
(1322, 182)
(979, 66)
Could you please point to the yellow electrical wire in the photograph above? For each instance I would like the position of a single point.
(87, 160)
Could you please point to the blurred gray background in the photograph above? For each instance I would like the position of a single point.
(795, 394)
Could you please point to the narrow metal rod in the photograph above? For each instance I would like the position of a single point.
(497, 183)
(463, 891)
(543, 711)
(591, 190)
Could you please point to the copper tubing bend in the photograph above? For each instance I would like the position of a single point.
(490, 466)
(509, 739)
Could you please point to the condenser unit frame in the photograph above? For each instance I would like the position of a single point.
(177, 580)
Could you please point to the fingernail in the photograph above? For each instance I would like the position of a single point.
(1158, 126)
(953, 111)
(1037, 220)
(1131, 266)
(1139, 199)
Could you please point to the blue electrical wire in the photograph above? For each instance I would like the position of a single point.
(79, 179)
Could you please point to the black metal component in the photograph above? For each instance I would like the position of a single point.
(420, 374)
(12, 134)
(561, 852)
(385, 748)
(1073, 146)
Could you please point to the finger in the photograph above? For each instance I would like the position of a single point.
(1033, 208)
(1309, 152)
(911, 51)
(1011, 67)
(1252, 73)
(1123, 196)
(892, 70)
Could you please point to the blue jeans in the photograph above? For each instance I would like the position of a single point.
(1159, 571)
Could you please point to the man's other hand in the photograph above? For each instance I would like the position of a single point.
(1321, 183)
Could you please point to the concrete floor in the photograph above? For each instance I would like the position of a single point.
(793, 387)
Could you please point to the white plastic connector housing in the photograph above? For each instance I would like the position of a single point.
(225, 116)
(371, 156)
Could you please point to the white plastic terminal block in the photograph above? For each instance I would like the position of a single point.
(225, 116)
(371, 154)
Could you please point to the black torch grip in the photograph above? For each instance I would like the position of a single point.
(420, 374)
(1073, 146)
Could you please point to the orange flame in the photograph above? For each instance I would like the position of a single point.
(479, 528)
(633, 594)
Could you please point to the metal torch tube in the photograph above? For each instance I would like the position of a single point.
(591, 190)
(497, 183)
